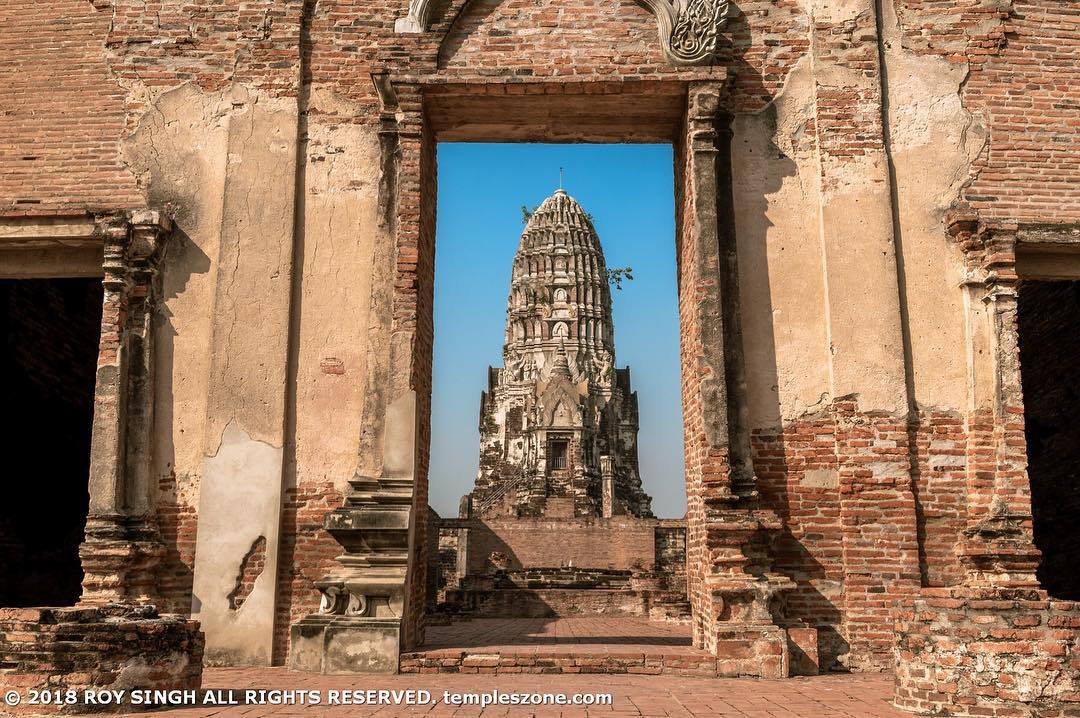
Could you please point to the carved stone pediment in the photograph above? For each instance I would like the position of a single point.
(689, 29)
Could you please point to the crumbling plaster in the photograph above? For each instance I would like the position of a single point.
(782, 204)
(224, 162)
(227, 162)
(335, 328)
(781, 273)
(934, 141)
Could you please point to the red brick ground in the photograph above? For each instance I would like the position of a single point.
(832, 696)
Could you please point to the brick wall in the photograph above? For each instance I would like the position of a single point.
(851, 528)
(1023, 81)
(115, 647)
(63, 113)
(988, 653)
(586, 542)
(307, 554)
(1029, 92)
(61, 146)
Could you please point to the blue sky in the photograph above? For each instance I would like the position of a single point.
(628, 190)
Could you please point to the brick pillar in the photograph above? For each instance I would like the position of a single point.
(373, 602)
(867, 363)
(997, 546)
(122, 547)
(733, 593)
(996, 644)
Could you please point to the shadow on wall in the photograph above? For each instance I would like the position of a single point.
(760, 175)
(175, 513)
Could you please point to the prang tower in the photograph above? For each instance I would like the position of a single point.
(559, 423)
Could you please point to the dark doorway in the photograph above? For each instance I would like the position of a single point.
(49, 331)
(1050, 368)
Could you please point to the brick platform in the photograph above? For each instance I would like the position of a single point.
(560, 646)
(98, 647)
(835, 696)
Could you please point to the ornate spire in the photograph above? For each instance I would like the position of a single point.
(559, 414)
(559, 293)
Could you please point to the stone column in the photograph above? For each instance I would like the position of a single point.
(732, 589)
(607, 487)
(122, 547)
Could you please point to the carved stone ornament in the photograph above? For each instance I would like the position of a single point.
(689, 29)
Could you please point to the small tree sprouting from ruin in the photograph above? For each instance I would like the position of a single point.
(618, 274)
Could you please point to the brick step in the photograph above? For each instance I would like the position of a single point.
(562, 662)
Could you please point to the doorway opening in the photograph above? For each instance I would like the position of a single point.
(1049, 328)
(555, 269)
(49, 335)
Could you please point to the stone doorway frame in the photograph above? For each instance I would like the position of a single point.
(121, 547)
(377, 598)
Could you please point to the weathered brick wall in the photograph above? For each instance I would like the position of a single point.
(63, 111)
(988, 652)
(798, 476)
(849, 566)
(308, 553)
(48, 356)
(1049, 317)
(584, 542)
(1023, 80)
(115, 647)
(670, 553)
(442, 564)
(118, 57)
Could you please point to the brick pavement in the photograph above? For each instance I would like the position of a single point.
(831, 696)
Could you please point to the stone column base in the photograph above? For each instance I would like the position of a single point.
(115, 647)
(967, 651)
(119, 558)
(339, 645)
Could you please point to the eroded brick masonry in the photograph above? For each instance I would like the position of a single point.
(878, 240)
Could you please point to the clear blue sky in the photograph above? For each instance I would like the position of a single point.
(628, 190)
